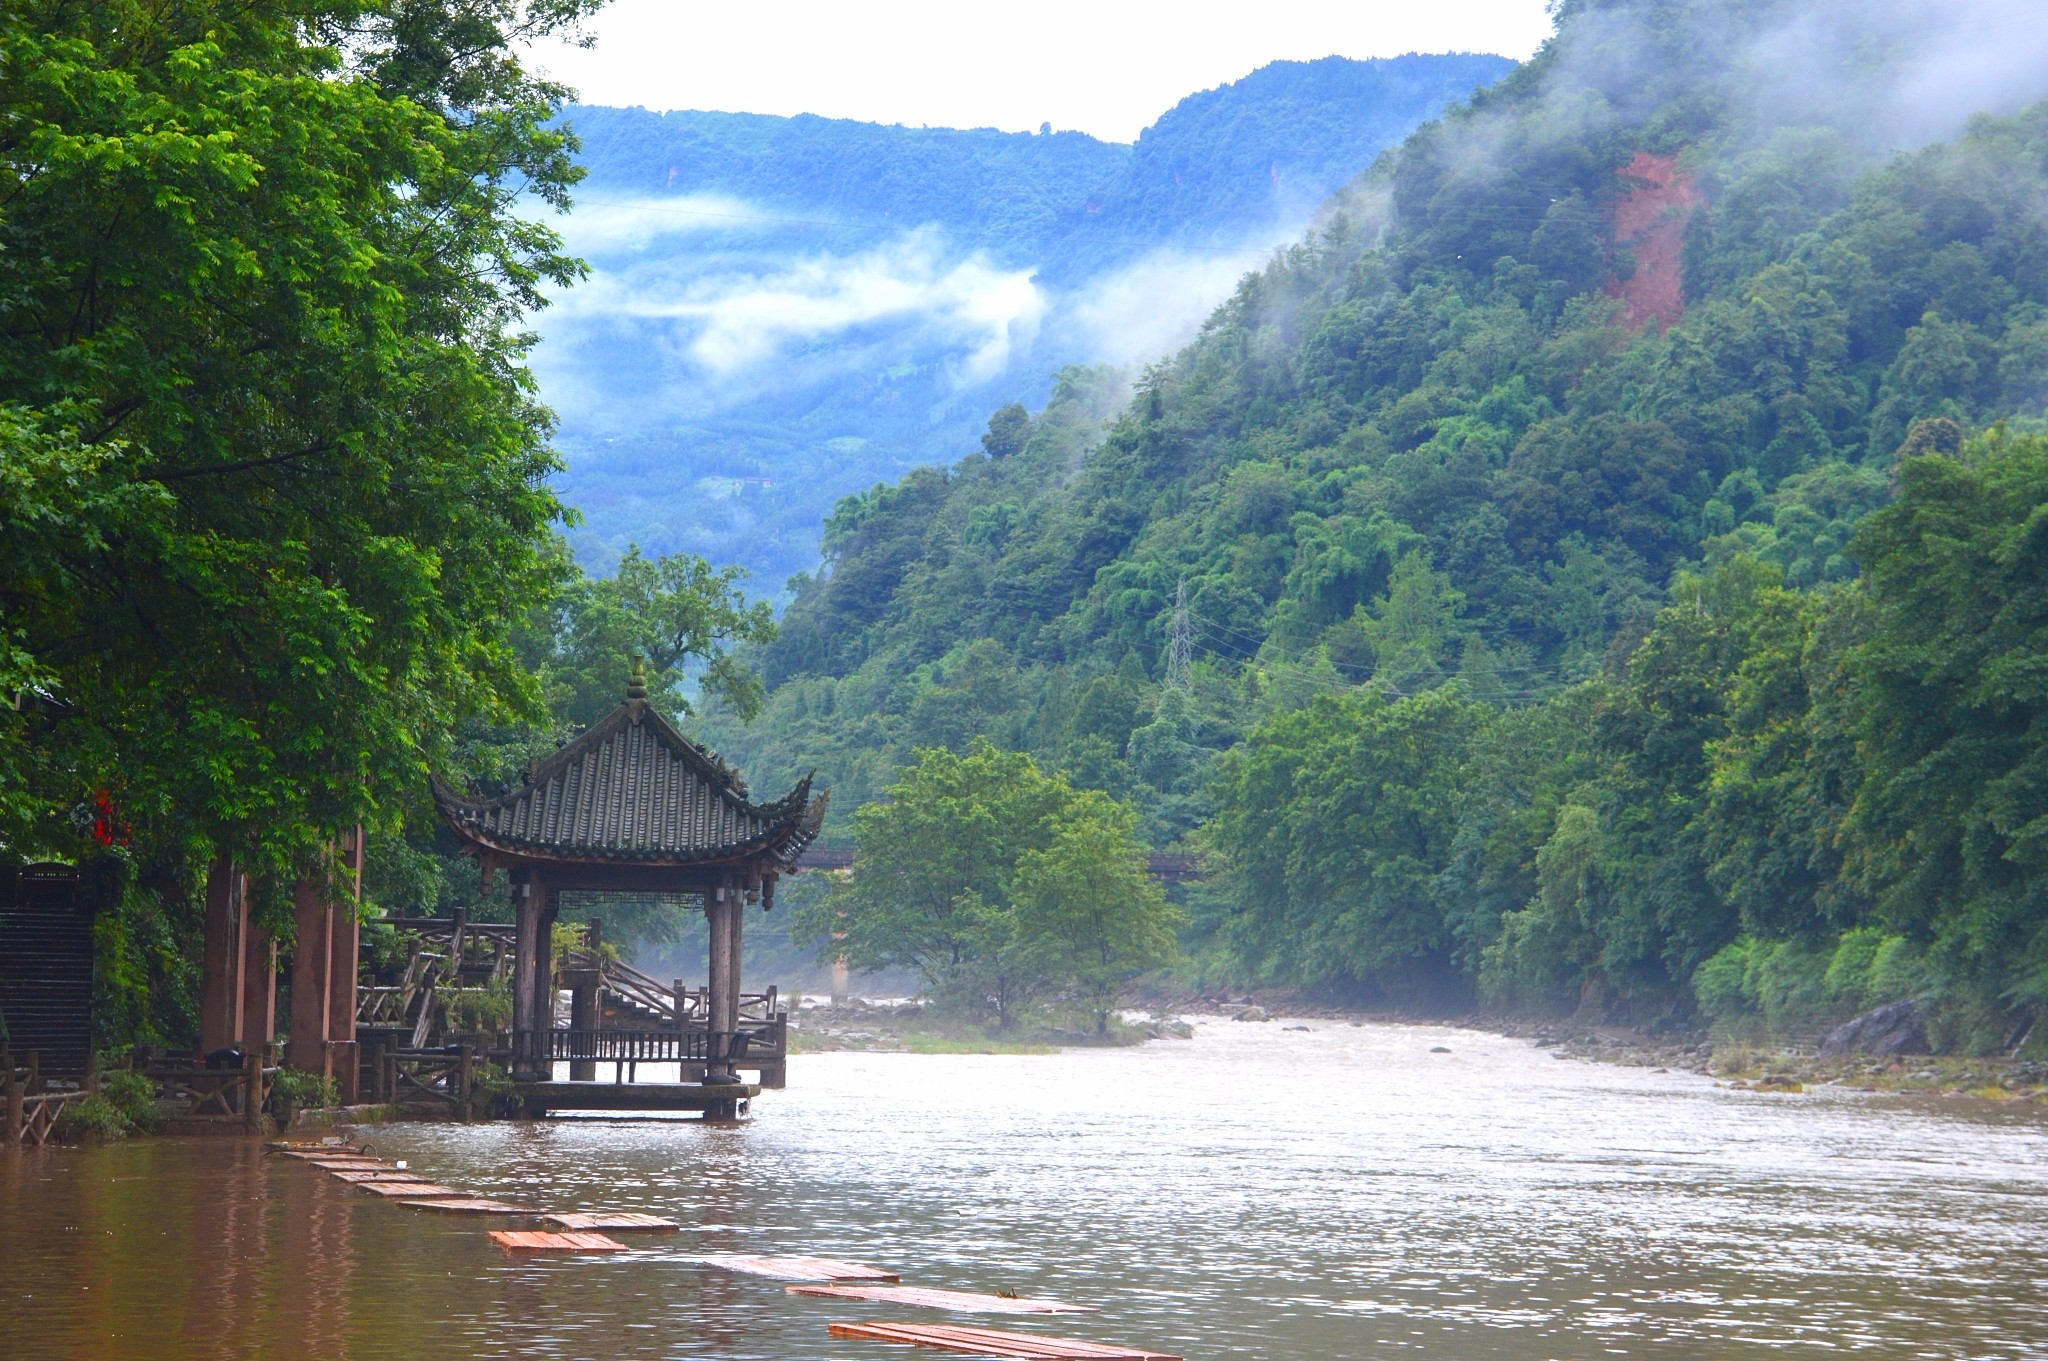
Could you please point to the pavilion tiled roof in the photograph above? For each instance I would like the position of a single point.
(630, 789)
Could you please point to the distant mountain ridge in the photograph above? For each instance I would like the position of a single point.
(784, 311)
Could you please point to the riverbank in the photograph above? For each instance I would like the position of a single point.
(1745, 1065)
(908, 1026)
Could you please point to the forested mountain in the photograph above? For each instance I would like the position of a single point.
(1610, 541)
(783, 310)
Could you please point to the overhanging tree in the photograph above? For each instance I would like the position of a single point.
(282, 473)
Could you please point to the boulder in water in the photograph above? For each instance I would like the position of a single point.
(1895, 1028)
(1254, 1013)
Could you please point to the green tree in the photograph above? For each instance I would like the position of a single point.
(992, 879)
(1008, 429)
(680, 613)
(283, 469)
(1337, 821)
(1089, 914)
(1949, 696)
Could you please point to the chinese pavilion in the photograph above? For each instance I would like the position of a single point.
(630, 806)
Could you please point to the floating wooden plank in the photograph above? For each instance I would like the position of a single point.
(361, 1174)
(532, 1240)
(800, 1268)
(988, 1342)
(349, 1164)
(415, 1190)
(304, 1149)
(614, 1220)
(468, 1205)
(965, 1301)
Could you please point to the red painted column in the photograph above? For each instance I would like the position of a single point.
(259, 1001)
(306, 1047)
(344, 935)
(259, 989)
(222, 958)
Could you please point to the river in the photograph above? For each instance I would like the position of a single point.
(1252, 1192)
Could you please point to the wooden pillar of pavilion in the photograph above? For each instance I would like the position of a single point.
(544, 974)
(223, 957)
(585, 1007)
(722, 910)
(526, 916)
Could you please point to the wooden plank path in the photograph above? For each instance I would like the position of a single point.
(349, 1164)
(359, 1175)
(411, 1190)
(965, 1301)
(988, 1342)
(470, 1205)
(800, 1268)
(614, 1221)
(531, 1240)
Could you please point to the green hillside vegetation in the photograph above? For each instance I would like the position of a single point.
(1543, 658)
(1015, 189)
(673, 454)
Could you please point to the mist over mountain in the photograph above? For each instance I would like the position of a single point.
(783, 311)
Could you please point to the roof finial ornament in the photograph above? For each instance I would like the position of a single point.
(636, 683)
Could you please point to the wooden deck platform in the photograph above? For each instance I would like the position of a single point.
(533, 1240)
(800, 1268)
(540, 1097)
(988, 1342)
(614, 1221)
(961, 1301)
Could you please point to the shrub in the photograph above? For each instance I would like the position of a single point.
(92, 1119)
(491, 1089)
(133, 1095)
(295, 1089)
(1721, 983)
(469, 1011)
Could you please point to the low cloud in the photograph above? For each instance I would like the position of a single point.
(1151, 307)
(660, 328)
(601, 226)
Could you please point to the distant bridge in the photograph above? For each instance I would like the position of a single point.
(1168, 867)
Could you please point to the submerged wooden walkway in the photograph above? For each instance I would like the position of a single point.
(801, 1268)
(988, 1342)
(825, 1277)
(540, 1241)
(924, 1297)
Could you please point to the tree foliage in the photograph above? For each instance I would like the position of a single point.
(1003, 887)
(281, 471)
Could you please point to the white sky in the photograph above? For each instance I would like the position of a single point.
(1109, 67)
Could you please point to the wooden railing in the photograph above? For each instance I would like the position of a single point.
(472, 950)
(28, 1110)
(628, 1046)
(434, 1074)
(668, 1003)
(230, 1093)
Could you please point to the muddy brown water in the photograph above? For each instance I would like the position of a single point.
(1253, 1192)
